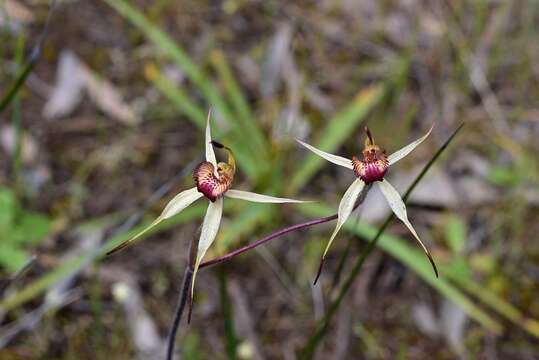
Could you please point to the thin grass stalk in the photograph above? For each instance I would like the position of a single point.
(344, 257)
(34, 57)
(16, 116)
(342, 261)
(231, 340)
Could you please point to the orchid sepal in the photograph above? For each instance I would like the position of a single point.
(335, 159)
(174, 206)
(399, 154)
(210, 227)
(398, 207)
(259, 198)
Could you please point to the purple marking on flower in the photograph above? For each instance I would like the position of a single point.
(373, 167)
(208, 184)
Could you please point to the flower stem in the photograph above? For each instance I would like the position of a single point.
(280, 233)
(187, 277)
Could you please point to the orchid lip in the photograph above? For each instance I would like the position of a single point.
(370, 170)
(211, 186)
(372, 173)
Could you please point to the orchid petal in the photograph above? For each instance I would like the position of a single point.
(336, 159)
(210, 154)
(210, 226)
(399, 209)
(345, 208)
(399, 154)
(259, 198)
(177, 204)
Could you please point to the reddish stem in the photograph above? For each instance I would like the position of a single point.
(272, 236)
(281, 232)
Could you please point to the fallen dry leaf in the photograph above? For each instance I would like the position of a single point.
(73, 76)
(29, 146)
(107, 97)
(14, 10)
(67, 92)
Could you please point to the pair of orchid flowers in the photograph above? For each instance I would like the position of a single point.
(213, 181)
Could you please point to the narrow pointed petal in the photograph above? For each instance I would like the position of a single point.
(399, 209)
(180, 202)
(177, 204)
(345, 208)
(210, 154)
(210, 226)
(131, 240)
(338, 160)
(399, 154)
(254, 197)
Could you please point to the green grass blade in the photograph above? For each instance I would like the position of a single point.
(17, 117)
(175, 52)
(197, 116)
(247, 220)
(37, 287)
(195, 113)
(336, 132)
(238, 100)
(189, 67)
(409, 256)
(491, 299)
(9, 96)
(231, 340)
(32, 61)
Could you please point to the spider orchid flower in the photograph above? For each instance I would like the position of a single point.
(213, 181)
(368, 170)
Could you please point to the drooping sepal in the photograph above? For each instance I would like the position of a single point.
(399, 209)
(175, 206)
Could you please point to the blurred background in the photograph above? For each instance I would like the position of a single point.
(109, 125)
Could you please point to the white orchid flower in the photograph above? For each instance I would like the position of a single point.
(371, 169)
(213, 181)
